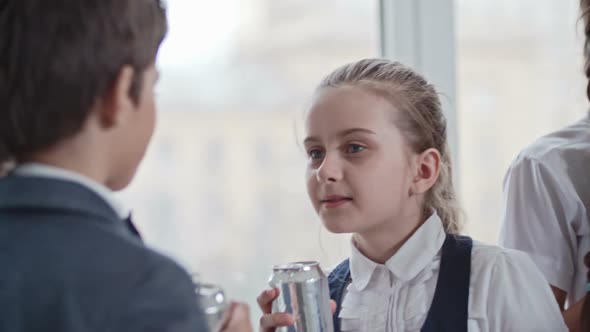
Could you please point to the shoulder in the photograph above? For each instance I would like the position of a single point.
(158, 293)
(492, 264)
(492, 255)
(144, 267)
(552, 149)
(116, 262)
(160, 278)
(118, 279)
(508, 289)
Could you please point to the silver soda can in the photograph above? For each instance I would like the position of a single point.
(212, 300)
(304, 294)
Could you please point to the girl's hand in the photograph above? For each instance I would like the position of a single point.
(270, 321)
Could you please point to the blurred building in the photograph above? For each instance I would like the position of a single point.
(222, 188)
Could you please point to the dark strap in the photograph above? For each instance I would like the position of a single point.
(337, 280)
(449, 309)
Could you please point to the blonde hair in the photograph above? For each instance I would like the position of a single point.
(420, 119)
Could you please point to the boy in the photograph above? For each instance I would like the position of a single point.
(76, 89)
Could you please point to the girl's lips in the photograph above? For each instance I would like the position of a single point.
(332, 202)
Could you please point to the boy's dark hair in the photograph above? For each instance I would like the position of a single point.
(58, 57)
(585, 16)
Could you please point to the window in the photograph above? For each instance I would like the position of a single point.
(509, 72)
(520, 76)
(235, 79)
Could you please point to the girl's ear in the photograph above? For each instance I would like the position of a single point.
(426, 171)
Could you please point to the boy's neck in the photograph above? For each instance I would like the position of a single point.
(73, 159)
(379, 245)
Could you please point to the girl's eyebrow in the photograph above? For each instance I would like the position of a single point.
(345, 132)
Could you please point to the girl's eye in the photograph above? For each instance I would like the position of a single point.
(316, 154)
(354, 148)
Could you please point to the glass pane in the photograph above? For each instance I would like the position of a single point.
(222, 187)
(520, 76)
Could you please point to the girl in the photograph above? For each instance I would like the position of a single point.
(379, 168)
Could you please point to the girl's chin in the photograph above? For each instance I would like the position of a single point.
(338, 226)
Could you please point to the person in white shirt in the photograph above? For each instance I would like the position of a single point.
(379, 168)
(545, 211)
(546, 195)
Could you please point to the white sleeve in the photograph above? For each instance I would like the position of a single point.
(519, 297)
(536, 209)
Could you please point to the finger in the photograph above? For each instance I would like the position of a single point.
(333, 306)
(240, 318)
(265, 300)
(270, 321)
(227, 316)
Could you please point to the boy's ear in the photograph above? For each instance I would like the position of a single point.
(427, 171)
(117, 104)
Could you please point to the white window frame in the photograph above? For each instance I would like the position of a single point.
(421, 34)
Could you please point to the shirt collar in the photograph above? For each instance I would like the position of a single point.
(413, 256)
(47, 171)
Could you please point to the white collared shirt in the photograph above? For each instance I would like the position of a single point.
(48, 171)
(545, 206)
(506, 292)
